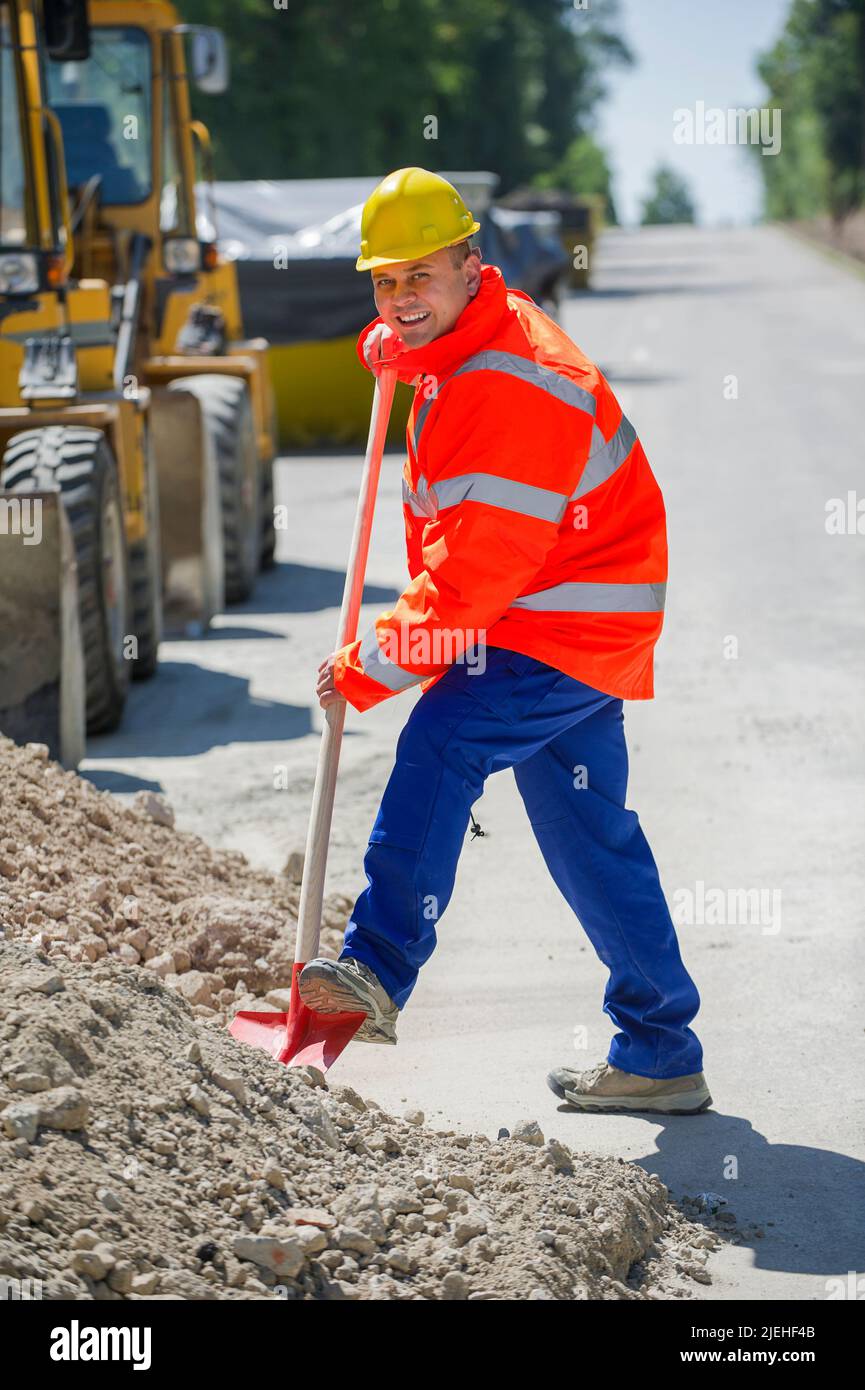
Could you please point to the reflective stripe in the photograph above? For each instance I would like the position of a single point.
(420, 418)
(603, 463)
(421, 503)
(596, 598)
(410, 500)
(525, 369)
(377, 666)
(512, 496)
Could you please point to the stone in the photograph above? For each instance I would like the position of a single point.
(161, 965)
(413, 1117)
(273, 1175)
(562, 1160)
(197, 1098)
(455, 1286)
(462, 1181)
(528, 1132)
(282, 1254)
(98, 890)
(347, 1095)
(466, 1228)
(121, 1276)
(232, 1083)
(310, 1216)
(293, 869)
(155, 807)
(145, 1284)
(311, 1239)
(94, 1263)
(37, 982)
(349, 1238)
(194, 987)
(279, 998)
(435, 1211)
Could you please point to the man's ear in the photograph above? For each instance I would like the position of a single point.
(472, 270)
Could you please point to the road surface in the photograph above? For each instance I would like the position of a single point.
(740, 359)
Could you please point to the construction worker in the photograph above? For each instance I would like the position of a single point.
(538, 562)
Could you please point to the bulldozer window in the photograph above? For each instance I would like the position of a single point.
(13, 213)
(103, 106)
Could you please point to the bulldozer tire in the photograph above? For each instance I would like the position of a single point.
(145, 572)
(79, 462)
(227, 411)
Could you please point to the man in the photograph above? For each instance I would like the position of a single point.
(537, 554)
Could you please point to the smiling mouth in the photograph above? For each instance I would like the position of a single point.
(411, 320)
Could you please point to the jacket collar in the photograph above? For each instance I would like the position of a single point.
(475, 326)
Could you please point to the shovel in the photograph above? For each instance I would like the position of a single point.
(303, 1036)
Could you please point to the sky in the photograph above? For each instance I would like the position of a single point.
(687, 51)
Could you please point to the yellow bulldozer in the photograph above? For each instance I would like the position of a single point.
(131, 408)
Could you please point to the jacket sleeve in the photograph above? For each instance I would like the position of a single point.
(493, 525)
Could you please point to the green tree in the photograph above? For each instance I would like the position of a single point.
(334, 87)
(669, 199)
(815, 75)
(583, 169)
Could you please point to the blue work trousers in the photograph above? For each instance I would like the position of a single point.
(566, 744)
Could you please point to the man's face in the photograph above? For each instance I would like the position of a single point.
(421, 300)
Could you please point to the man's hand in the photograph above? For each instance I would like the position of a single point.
(380, 342)
(325, 688)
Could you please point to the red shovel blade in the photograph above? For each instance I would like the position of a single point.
(299, 1037)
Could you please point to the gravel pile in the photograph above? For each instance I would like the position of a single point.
(145, 1154)
(83, 877)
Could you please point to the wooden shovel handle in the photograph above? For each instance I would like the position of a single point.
(318, 833)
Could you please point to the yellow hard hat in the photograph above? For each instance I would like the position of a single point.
(411, 214)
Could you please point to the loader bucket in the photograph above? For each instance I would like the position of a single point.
(42, 692)
(190, 512)
(301, 1037)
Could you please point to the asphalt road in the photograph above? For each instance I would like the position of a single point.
(740, 358)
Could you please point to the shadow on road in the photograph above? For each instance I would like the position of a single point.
(726, 288)
(290, 588)
(628, 377)
(189, 709)
(109, 780)
(811, 1195)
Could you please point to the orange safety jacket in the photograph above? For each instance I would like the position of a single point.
(533, 520)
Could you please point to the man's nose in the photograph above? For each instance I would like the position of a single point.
(403, 297)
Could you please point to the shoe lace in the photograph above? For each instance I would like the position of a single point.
(591, 1076)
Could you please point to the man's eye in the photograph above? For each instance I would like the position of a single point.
(420, 275)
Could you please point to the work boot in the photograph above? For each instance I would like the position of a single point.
(605, 1087)
(349, 986)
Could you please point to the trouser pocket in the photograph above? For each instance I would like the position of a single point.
(510, 684)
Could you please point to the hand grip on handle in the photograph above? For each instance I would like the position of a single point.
(318, 832)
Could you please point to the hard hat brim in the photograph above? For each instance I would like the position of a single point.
(401, 254)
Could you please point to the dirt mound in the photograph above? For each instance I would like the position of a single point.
(146, 1154)
(84, 877)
